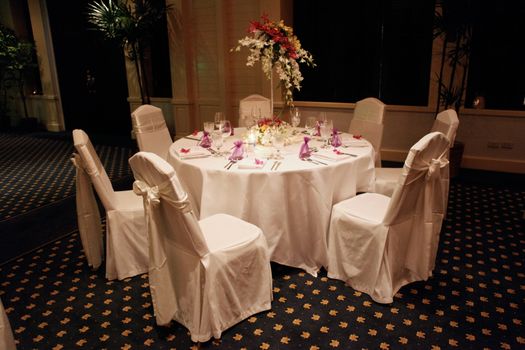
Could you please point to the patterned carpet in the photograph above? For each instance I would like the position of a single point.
(37, 170)
(475, 300)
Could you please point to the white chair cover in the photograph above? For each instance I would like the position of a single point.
(88, 216)
(372, 132)
(378, 244)
(151, 131)
(446, 122)
(207, 275)
(251, 104)
(370, 109)
(368, 122)
(7, 341)
(126, 236)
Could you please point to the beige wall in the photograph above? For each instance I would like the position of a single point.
(220, 79)
(207, 77)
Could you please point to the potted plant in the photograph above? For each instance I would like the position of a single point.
(129, 23)
(453, 23)
(17, 60)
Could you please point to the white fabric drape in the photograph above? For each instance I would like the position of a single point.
(371, 109)
(151, 131)
(378, 244)
(126, 236)
(88, 216)
(7, 341)
(207, 275)
(446, 122)
(372, 132)
(292, 205)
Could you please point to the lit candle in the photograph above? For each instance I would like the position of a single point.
(252, 138)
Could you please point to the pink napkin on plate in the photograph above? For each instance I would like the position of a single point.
(192, 152)
(331, 154)
(251, 163)
(354, 141)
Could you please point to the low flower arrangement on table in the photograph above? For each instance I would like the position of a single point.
(262, 132)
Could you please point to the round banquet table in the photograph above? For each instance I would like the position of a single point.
(292, 205)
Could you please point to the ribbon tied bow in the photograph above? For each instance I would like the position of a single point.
(150, 194)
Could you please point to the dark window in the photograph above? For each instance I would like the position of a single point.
(366, 48)
(497, 70)
(157, 60)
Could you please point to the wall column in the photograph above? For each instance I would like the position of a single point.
(52, 107)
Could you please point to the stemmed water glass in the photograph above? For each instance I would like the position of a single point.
(216, 137)
(326, 128)
(256, 115)
(208, 127)
(311, 124)
(296, 117)
(278, 140)
(219, 117)
(226, 128)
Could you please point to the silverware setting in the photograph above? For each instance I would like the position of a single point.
(275, 165)
(229, 164)
(348, 154)
(317, 162)
(212, 151)
(192, 138)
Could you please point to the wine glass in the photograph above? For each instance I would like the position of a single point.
(216, 137)
(296, 117)
(225, 128)
(310, 126)
(256, 115)
(209, 126)
(278, 140)
(219, 116)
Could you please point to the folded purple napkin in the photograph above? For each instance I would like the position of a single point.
(238, 151)
(336, 139)
(205, 141)
(304, 152)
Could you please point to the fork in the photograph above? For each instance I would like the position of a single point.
(231, 164)
(315, 161)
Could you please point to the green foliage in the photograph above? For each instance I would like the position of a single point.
(129, 23)
(453, 23)
(17, 59)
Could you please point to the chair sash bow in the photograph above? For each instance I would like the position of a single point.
(153, 194)
(152, 125)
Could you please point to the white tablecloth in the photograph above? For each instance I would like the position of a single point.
(291, 205)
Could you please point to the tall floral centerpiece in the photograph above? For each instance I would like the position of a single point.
(275, 45)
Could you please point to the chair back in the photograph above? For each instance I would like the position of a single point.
(253, 104)
(370, 109)
(151, 131)
(368, 122)
(168, 210)
(7, 341)
(447, 122)
(95, 169)
(420, 186)
(373, 132)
